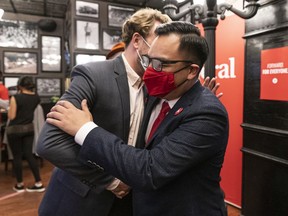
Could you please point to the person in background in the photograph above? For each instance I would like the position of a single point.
(114, 90)
(20, 132)
(116, 50)
(12, 90)
(4, 103)
(175, 169)
(4, 96)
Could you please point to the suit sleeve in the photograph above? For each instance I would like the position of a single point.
(59, 148)
(191, 138)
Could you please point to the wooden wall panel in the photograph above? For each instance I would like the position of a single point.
(265, 122)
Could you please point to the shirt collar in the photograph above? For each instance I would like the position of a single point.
(133, 78)
(170, 102)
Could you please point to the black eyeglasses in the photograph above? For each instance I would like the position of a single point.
(157, 64)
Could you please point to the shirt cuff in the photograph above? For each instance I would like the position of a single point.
(83, 132)
(114, 184)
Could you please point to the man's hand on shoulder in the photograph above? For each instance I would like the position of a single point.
(68, 118)
(212, 86)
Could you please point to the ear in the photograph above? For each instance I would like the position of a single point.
(193, 71)
(135, 40)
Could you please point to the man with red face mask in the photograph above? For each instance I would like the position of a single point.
(176, 170)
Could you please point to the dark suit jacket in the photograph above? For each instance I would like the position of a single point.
(179, 171)
(105, 86)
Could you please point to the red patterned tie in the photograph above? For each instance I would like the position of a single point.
(164, 110)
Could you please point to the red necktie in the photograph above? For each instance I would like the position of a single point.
(164, 110)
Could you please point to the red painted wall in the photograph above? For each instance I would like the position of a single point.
(230, 74)
(230, 44)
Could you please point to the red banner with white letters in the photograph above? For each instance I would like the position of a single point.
(274, 74)
(230, 48)
(229, 70)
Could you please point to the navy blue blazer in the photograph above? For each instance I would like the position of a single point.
(179, 171)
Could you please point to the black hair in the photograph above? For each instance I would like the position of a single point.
(26, 82)
(191, 41)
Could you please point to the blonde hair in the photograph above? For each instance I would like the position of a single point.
(142, 22)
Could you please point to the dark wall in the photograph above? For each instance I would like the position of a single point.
(265, 123)
(67, 30)
(104, 26)
(57, 32)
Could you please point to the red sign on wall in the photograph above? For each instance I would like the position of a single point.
(229, 70)
(274, 74)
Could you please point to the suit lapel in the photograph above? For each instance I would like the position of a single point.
(123, 88)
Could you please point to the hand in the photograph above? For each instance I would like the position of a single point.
(212, 86)
(68, 118)
(121, 190)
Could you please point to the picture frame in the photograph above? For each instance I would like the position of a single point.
(48, 87)
(85, 58)
(117, 15)
(20, 34)
(10, 81)
(111, 37)
(87, 9)
(51, 54)
(87, 35)
(20, 62)
(11, 84)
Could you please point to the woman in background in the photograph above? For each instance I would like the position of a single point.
(20, 132)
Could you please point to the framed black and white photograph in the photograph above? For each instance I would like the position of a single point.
(10, 81)
(111, 37)
(51, 53)
(87, 9)
(48, 86)
(11, 84)
(87, 35)
(20, 62)
(118, 15)
(85, 58)
(20, 34)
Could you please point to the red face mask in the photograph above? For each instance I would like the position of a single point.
(160, 83)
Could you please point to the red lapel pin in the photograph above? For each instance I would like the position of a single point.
(178, 111)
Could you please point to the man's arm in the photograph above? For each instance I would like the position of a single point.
(59, 147)
(201, 135)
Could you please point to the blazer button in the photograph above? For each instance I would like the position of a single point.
(99, 167)
(90, 162)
